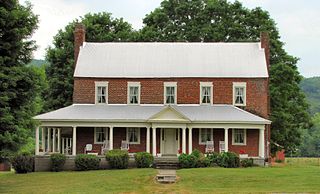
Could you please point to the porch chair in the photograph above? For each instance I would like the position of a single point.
(222, 146)
(209, 147)
(124, 145)
(104, 147)
(88, 148)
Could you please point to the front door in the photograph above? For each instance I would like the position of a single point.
(170, 142)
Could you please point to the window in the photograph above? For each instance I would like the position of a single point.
(205, 93)
(170, 92)
(133, 135)
(239, 94)
(133, 93)
(101, 92)
(205, 135)
(239, 137)
(100, 134)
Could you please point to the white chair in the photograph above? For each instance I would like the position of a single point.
(104, 147)
(209, 147)
(88, 148)
(125, 145)
(222, 147)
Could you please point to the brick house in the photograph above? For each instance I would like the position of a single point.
(163, 98)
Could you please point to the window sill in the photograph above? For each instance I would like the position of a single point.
(239, 144)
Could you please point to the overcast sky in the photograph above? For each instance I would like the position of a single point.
(298, 22)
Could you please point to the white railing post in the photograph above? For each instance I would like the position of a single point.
(74, 141)
(37, 141)
(226, 139)
(184, 140)
(154, 141)
(111, 138)
(49, 140)
(261, 142)
(148, 140)
(190, 140)
(43, 140)
(54, 140)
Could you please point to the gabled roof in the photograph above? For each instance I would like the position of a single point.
(157, 60)
(152, 113)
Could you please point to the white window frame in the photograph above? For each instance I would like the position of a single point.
(239, 85)
(95, 134)
(169, 84)
(206, 84)
(245, 137)
(101, 84)
(200, 134)
(127, 135)
(133, 84)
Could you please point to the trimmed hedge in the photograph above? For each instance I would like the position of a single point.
(23, 163)
(57, 162)
(118, 159)
(143, 159)
(213, 159)
(195, 160)
(229, 160)
(248, 162)
(87, 162)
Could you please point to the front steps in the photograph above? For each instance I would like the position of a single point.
(166, 162)
(166, 176)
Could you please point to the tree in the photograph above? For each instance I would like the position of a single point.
(18, 83)
(100, 27)
(220, 20)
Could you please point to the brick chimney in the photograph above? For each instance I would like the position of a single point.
(264, 40)
(79, 38)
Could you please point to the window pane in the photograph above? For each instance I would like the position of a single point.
(133, 135)
(101, 94)
(239, 95)
(239, 136)
(170, 95)
(133, 94)
(100, 134)
(206, 95)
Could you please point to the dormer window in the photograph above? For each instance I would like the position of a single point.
(133, 92)
(170, 92)
(101, 92)
(239, 93)
(206, 93)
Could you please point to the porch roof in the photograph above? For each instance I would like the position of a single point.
(145, 113)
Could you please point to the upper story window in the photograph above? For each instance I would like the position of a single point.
(205, 135)
(170, 92)
(239, 93)
(133, 92)
(206, 93)
(133, 135)
(100, 134)
(239, 136)
(101, 92)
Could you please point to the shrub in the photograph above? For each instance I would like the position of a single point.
(118, 158)
(57, 162)
(248, 162)
(143, 159)
(87, 162)
(278, 161)
(194, 160)
(23, 163)
(203, 161)
(214, 159)
(229, 160)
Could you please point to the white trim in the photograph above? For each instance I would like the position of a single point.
(95, 134)
(200, 131)
(206, 84)
(170, 84)
(245, 137)
(133, 84)
(239, 85)
(138, 134)
(101, 84)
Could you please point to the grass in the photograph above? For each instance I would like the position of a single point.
(293, 177)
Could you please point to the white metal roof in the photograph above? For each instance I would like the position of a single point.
(148, 60)
(142, 113)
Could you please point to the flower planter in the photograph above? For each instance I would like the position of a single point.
(243, 155)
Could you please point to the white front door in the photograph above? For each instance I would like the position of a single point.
(169, 142)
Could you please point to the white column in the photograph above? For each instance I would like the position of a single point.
(74, 141)
(184, 140)
(49, 140)
(226, 139)
(37, 141)
(261, 142)
(59, 140)
(62, 139)
(190, 140)
(148, 140)
(54, 140)
(111, 138)
(154, 143)
(43, 139)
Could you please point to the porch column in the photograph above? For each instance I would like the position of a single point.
(74, 141)
(59, 140)
(190, 140)
(37, 141)
(111, 138)
(49, 140)
(154, 143)
(43, 139)
(184, 140)
(54, 140)
(226, 139)
(63, 140)
(261, 142)
(148, 140)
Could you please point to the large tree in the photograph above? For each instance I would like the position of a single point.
(220, 20)
(18, 83)
(100, 27)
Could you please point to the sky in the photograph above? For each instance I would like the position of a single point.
(297, 20)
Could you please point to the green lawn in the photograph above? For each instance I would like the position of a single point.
(291, 178)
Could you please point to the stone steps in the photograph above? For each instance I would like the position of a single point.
(166, 163)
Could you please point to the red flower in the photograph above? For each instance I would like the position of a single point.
(179, 151)
(242, 152)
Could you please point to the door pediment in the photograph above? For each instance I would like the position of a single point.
(169, 114)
